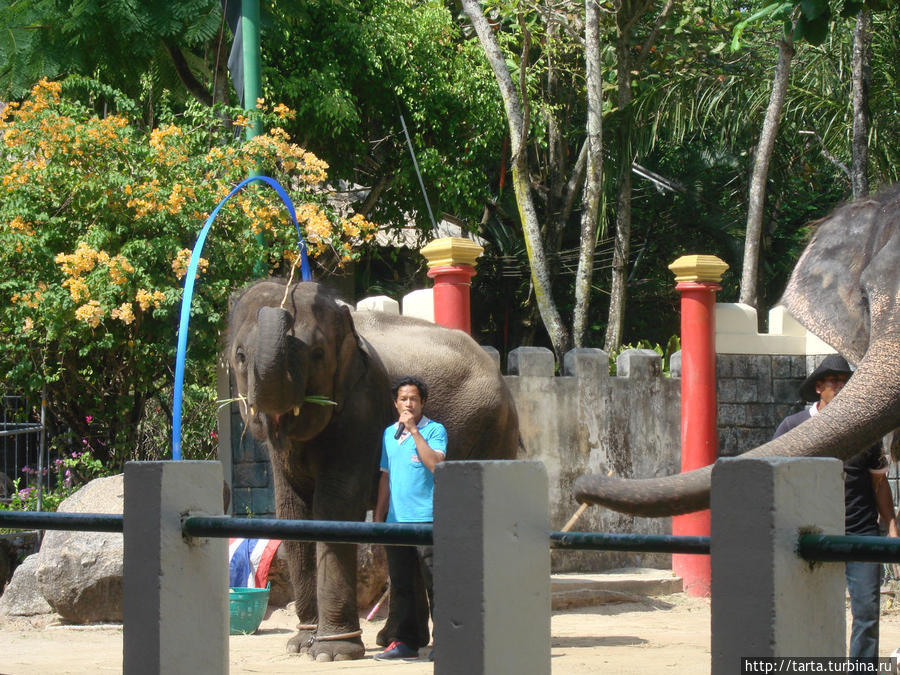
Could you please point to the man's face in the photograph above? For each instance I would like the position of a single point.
(829, 387)
(409, 400)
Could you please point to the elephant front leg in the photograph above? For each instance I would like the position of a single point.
(301, 557)
(302, 566)
(338, 637)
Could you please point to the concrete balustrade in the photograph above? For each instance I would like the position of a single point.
(492, 571)
(175, 588)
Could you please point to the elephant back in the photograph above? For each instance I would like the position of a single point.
(466, 392)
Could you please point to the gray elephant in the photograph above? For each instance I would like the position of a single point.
(325, 457)
(845, 289)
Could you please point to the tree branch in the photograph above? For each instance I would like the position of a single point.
(191, 83)
(654, 33)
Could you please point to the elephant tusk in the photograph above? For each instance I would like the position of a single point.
(296, 410)
(253, 410)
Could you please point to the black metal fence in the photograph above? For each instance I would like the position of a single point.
(24, 458)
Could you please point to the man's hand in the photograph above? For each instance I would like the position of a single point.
(384, 498)
(408, 420)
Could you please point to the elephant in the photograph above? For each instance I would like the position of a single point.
(845, 288)
(289, 343)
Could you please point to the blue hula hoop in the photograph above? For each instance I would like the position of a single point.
(305, 275)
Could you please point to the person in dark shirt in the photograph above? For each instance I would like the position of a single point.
(866, 496)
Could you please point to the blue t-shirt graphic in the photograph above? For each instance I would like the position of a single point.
(411, 483)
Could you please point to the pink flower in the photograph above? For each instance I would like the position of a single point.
(88, 419)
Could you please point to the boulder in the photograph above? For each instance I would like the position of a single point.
(80, 573)
(21, 597)
(371, 578)
(280, 592)
(371, 575)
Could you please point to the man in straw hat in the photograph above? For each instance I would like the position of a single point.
(866, 495)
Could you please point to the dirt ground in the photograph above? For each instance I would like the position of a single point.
(669, 634)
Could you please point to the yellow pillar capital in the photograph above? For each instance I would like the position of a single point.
(451, 251)
(698, 268)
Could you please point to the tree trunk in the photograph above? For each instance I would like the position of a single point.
(862, 76)
(757, 197)
(626, 18)
(622, 244)
(593, 178)
(540, 274)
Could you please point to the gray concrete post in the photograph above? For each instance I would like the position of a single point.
(766, 600)
(491, 568)
(175, 588)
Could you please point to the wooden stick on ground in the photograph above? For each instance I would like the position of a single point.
(379, 603)
(568, 526)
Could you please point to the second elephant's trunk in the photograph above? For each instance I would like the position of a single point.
(867, 408)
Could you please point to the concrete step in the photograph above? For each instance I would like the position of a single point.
(569, 591)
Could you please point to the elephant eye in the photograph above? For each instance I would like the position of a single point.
(317, 354)
(240, 357)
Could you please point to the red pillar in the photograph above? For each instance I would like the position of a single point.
(451, 295)
(451, 263)
(697, 278)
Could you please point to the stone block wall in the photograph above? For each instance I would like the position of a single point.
(755, 392)
(252, 492)
(586, 421)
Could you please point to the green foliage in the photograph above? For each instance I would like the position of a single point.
(351, 68)
(673, 345)
(808, 20)
(115, 40)
(97, 218)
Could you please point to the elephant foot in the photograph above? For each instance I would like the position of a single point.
(341, 647)
(300, 640)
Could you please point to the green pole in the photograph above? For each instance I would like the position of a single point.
(252, 87)
(252, 90)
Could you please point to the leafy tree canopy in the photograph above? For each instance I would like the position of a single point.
(98, 216)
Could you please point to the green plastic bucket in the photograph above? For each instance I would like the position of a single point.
(247, 606)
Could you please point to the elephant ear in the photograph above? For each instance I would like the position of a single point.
(351, 363)
(829, 292)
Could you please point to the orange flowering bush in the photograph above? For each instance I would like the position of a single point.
(98, 217)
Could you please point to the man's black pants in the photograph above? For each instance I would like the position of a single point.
(404, 562)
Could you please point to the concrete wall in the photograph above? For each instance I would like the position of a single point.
(585, 421)
(582, 420)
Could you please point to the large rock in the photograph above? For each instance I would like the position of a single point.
(21, 597)
(371, 578)
(80, 573)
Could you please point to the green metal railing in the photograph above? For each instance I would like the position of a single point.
(49, 520)
(841, 548)
(334, 531)
(811, 547)
(645, 543)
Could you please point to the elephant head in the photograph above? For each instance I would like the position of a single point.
(285, 349)
(846, 290)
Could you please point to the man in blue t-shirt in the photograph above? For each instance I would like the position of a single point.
(410, 451)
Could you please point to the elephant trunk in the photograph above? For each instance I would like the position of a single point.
(866, 409)
(278, 372)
